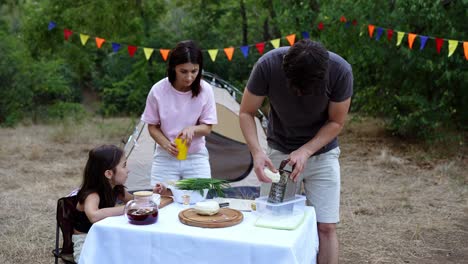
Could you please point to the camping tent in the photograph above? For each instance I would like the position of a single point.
(230, 158)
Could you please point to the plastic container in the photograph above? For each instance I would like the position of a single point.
(142, 210)
(291, 207)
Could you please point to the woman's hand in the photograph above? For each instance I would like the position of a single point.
(187, 133)
(171, 148)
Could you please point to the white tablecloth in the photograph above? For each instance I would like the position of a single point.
(113, 240)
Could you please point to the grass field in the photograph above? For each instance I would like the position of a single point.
(400, 203)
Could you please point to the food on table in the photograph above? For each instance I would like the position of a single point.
(274, 176)
(207, 208)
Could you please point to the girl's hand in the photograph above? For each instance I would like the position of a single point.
(159, 188)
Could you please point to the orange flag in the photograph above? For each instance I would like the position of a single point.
(99, 42)
(411, 38)
(291, 39)
(164, 53)
(371, 30)
(229, 52)
(465, 48)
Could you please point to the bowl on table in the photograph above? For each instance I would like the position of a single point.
(188, 196)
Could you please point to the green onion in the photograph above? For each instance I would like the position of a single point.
(199, 184)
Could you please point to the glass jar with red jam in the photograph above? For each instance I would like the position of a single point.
(142, 210)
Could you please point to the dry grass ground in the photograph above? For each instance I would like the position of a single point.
(400, 203)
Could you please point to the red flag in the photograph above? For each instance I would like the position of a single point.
(389, 34)
(67, 33)
(132, 50)
(320, 26)
(354, 22)
(260, 47)
(439, 44)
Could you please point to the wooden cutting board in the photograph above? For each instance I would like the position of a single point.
(224, 218)
(165, 200)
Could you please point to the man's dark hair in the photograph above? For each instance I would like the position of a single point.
(306, 67)
(186, 52)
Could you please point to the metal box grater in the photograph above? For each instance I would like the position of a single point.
(285, 189)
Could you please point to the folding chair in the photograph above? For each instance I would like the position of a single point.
(66, 207)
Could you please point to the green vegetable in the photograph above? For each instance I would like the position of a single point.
(199, 184)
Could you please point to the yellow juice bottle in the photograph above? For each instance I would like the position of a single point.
(182, 147)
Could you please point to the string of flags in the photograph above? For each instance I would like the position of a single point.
(375, 32)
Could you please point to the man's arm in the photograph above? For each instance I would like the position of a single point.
(337, 113)
(249, 107)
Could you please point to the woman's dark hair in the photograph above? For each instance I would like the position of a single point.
(306, 67)
(101, 159)
(186, 52)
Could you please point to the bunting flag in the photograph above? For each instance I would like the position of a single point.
(379, 33)
(465, 49)
(389, 34)
(260, 47)
(347, 24)
(275, 43)
(452, 46)
(411, 38)
(84, 38)
(439, 44)
(67, 33)
(213, 53)
(320, 26)
(423, 42)
(291, 38)
(164, 53)
(229, 52)
(148, 52)
(371, 28)
(51, 26)
(115, 46)
(245, 50)
(131, 50)
(99, 42)
(400, 36)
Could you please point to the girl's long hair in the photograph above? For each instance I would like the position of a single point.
(186, 52)
(102, 158)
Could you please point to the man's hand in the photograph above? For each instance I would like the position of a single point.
(298, 159)
(261, 161)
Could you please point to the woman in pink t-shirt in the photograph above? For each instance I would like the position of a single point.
(181, 106)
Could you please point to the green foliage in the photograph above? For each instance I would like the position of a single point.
(64, 110)
(419, 92)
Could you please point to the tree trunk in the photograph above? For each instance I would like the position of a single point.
(244, 23)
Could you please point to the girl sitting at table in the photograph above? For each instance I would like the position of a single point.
(103, 183)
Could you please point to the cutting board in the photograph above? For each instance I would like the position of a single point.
(224, 218)
(165, 200)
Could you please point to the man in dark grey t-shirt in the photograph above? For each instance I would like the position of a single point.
(309, 91)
